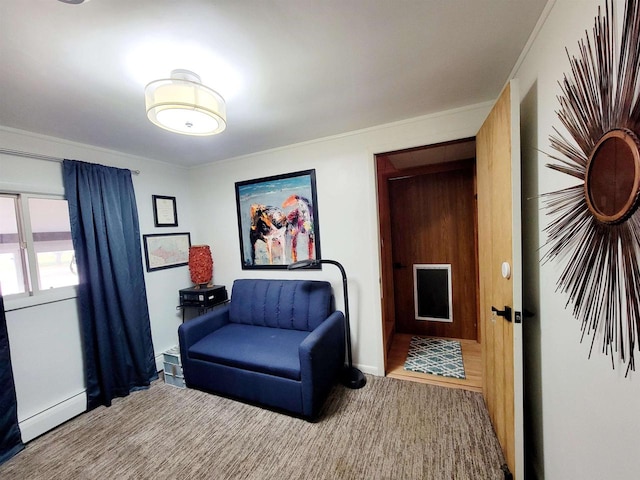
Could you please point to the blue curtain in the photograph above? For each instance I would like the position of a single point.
(10, 439)
(114, 315)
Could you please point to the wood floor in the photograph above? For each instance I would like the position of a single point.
(471, 358)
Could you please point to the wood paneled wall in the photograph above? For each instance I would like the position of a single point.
(432, 219)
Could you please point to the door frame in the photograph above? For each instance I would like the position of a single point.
(385, 171)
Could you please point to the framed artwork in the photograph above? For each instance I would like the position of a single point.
(594, 230)
(278, 220)
(166, 250)
(432, 292)
(164, 211)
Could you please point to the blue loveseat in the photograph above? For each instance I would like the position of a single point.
(278, 343)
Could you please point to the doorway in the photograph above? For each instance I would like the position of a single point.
(428, 219)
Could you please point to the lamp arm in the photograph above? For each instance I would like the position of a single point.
(347, 323)
(352, 377)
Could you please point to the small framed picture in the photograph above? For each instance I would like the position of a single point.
(164, 211)
(166, 250)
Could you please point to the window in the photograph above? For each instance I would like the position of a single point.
(36, 251)
(11, 265)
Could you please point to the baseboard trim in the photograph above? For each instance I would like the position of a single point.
(50, 418)
(371, 370)
(159, 363)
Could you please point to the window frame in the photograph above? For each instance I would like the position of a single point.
(32, 295)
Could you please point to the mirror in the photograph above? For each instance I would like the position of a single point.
(612, 181)
(595, 225)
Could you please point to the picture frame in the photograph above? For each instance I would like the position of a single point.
(165, 213)
(432, 292)
(166, 250)
(278, 220)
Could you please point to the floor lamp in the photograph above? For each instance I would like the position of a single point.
(351, 376)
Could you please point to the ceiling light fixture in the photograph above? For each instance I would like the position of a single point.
(182, 104)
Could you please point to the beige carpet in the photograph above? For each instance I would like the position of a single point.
(390, 429)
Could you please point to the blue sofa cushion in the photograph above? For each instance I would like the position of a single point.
(267, 350)
(299, 305)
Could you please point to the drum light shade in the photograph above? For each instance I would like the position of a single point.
(182, 104)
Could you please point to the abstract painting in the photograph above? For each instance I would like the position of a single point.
(278, 220)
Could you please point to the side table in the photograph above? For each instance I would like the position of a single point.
(203, 298)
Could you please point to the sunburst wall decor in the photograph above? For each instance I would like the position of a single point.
(595, 225)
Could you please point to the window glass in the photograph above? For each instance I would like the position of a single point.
(12, 275)
(52, 243)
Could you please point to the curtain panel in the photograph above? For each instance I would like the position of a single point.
(10, 438)
(114, 315)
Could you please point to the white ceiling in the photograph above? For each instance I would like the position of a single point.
(290, 70)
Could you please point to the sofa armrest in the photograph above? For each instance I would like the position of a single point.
(322, 355)
(193, 330)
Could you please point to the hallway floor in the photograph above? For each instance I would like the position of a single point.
(471, 357)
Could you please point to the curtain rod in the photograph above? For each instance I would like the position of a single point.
(46, 158)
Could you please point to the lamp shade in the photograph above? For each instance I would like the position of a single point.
(200, 265)
(182, 104)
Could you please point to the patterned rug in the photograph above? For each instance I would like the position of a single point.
(435, 356)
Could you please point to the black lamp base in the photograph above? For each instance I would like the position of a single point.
(353, 378)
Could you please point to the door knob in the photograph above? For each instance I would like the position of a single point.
(506, 313)
(398, 265)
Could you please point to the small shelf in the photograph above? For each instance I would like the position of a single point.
(173, 374)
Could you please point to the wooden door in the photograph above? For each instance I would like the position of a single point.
(432, 218)
(499, 242)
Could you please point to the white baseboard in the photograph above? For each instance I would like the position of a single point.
(159, 363)
(50, 418)
(369, 369)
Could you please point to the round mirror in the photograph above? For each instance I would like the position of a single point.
(612, 180)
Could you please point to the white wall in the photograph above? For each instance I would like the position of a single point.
(583, 418)
(347, 210)
(45, 339)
